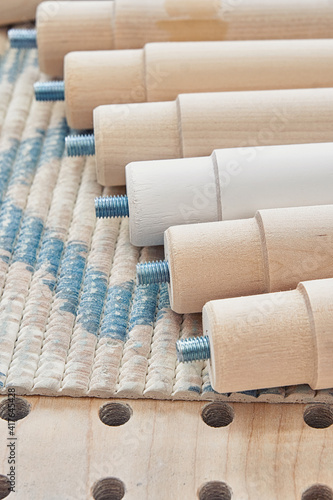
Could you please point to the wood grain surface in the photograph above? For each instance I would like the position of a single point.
(161, 71)
(17, 11)
(196, 124)
(166, 451)
(272, 252)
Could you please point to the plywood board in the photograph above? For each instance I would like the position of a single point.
(165, 450)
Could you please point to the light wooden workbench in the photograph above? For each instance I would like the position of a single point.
(166, 451)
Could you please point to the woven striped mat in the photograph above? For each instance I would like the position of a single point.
(73, 322)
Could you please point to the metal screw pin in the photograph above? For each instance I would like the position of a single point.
(22, 39)
(150, 273)
(80, 145)
(193, 349)
(49, 91)
(111, 206)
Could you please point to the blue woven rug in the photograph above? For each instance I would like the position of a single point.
(73, 321)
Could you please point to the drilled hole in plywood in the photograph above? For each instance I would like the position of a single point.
(318, 492)
(217, 414)
(14, 409)
(109, 488)
(4, 486)
(318, 416)
(115, 414)
(215, 490)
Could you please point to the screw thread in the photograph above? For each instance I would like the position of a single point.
(80, 145)
(22, 39)
(193, 349)
(49, 91)
(153, 272)
(111, 206)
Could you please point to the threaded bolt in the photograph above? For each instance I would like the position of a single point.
(150, 273)
(193, 349)
(111, 206)
(49, 91)
(22, 39)
(80, 145)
